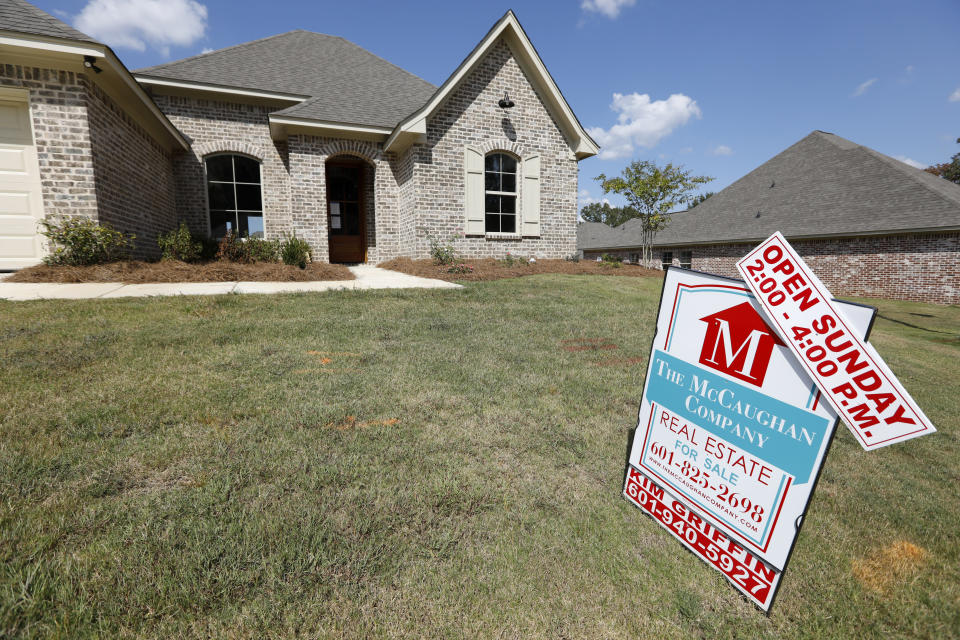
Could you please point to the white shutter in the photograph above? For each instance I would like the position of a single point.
(473, 189)
(530, 209)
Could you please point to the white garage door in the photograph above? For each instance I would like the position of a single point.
(21, 205)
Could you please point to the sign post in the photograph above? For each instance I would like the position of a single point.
(732, 430)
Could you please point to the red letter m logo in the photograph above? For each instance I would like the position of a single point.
(738, 343)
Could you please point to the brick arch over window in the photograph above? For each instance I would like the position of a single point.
(205, 149)
(503, 145)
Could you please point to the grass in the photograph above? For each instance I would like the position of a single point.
(418, 463)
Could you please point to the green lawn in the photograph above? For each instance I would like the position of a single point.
(418, 463)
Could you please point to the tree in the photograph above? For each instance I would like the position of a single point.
(948, 170)
(603, 212)
(697, 199)
(652, 192)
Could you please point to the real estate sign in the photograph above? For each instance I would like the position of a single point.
(732, 430)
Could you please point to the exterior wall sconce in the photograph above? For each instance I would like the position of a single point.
(505, 101)
(88, 62)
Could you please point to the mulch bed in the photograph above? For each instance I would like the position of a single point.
(136, 272)
(493, 269)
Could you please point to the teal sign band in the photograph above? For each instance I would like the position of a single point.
(784, 436)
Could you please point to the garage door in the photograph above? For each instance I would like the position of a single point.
(21, 205)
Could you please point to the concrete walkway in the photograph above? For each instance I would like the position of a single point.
(367, 277)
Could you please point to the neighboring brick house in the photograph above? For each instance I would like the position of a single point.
(867, 224)
(296, 133)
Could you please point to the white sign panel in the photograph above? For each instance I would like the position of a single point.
(854, 378)
(730, 426)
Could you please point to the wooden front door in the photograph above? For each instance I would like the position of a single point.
(346, 227)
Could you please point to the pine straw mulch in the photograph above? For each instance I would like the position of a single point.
(137, 272)
(493, 269)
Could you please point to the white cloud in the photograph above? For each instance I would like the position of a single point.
(207, 50)
(609, 8)
(642, 122)
(863, 86)
(584, 198)
(721, 150)
(135, 24)
(910, 161)
(955, 96)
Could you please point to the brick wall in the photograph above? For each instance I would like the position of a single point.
(58, 104)
(133, 174)
(470, 116)
(218, 126)
(924, 267)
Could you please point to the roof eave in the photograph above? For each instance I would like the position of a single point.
(218, 89)
(282, 126)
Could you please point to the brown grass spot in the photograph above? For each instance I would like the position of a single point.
(617, 362)
(890, 565)
(351, 422)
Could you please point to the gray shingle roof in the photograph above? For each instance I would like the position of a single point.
(17, 15)
(346, 83)
(823, 185)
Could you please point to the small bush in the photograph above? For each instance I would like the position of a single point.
(261, 250)
(80, 242)
(180, 244)
(442, 253)
(231, 249)
(460, 268)
(511, 260)
(573, 257)
(295, 251)
(609, 257)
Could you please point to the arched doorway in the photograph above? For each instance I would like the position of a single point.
(347, 208)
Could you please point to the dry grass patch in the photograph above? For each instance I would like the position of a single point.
(138, 272)
(890, 565)
(493, 269)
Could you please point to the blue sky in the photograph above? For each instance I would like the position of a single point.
(718, 87)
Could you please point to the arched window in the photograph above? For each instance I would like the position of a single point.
(500, 190)
(233, 196)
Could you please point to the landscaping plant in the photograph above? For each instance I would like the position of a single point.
(295, 251)
(180, 244)
(442, 253)
(81, 241)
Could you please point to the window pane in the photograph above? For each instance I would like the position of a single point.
(491, 181)
(508, 204)
(221, 195)
(220, 168)
(251, 226)
(492, 204)
(248, 197)
(492, 162)
(508, 182)
(492, 223)
(220, 223)
(508, 163)
(247, 170)
(508, 224)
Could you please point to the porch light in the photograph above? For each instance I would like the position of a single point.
(88, 62)
(505, 102)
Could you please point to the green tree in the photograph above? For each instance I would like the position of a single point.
(652, 191)
(603, 212)
(948, 170)
(697, 199)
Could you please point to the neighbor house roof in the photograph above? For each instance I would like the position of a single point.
(337, 80)
(822, 186)
(23, 17)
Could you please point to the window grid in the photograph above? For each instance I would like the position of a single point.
(500, 202)
(234, 183)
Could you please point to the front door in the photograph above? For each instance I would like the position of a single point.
(345, 223)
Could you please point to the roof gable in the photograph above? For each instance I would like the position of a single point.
(23, 17)
(413, 128)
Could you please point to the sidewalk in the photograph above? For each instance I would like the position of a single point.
(367, 277)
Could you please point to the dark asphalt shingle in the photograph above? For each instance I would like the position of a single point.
(17, 15)
(345, 83)
(823, 185)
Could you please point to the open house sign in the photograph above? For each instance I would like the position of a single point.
(735, 419)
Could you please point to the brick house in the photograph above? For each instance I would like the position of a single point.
(867, 224)
(296, 133)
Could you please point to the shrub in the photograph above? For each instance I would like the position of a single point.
(231, 249)
(295, 251)
(460, 268)
(82, 241)
(573, 257)
(180, 244)
(442, 253)
(261, 250)
(609, 257)
(510, 260)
